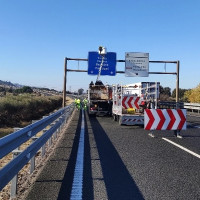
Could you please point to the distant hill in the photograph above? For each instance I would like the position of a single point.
(6, 83)
(10, 87)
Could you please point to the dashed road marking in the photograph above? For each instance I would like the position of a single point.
(183, 148)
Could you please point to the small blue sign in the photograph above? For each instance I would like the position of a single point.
(108, 67)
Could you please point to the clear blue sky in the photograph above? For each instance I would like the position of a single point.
(36, 35)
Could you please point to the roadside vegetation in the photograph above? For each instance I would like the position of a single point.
(19, 110)
(193, 95)
(186, 95)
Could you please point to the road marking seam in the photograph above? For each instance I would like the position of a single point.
(77, 186)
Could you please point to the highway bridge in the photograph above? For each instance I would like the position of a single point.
(121, 162)
(96, 158)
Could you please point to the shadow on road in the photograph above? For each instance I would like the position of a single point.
(88, 190)
(118, 181)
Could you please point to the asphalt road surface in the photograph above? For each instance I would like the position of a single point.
(123, 162)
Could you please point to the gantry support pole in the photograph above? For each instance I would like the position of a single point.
(177, 81)
(65, 82)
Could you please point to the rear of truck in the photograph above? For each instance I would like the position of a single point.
(129, 102)
(99, 100)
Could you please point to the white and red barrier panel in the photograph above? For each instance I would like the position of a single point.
(125, 120)
(165, 119)
(131, 102)
(132, 119)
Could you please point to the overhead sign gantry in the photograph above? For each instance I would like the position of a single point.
(101, 66)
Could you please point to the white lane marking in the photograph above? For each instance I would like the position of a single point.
(77, 185)
(183, 148)
(196, 126)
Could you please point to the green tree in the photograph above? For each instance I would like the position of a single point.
(10, 90)
(181, 94)
(194, 95)
(2, 89)
(187, 95)
(165, 93)
(80, 91)
(25, 89)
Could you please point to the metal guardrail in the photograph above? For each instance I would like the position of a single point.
(170, 105)
(194, 107)
(14, 140)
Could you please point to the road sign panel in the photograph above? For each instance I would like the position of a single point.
(165, 119)
(137, 64)
(131, 102)
(108, 67)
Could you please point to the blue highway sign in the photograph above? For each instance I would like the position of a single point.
(108, 67)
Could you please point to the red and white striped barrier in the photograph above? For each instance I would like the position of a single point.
(131, 102)
(132, 120)
(165, 119)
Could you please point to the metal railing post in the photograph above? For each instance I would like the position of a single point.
(50, 141)
(32, 163)
(55, 133)
(43, 147)
(13, 189)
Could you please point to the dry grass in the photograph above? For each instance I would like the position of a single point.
(5, 131)
(15, 110)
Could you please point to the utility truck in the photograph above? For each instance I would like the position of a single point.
(99, 99)
(129, 101)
